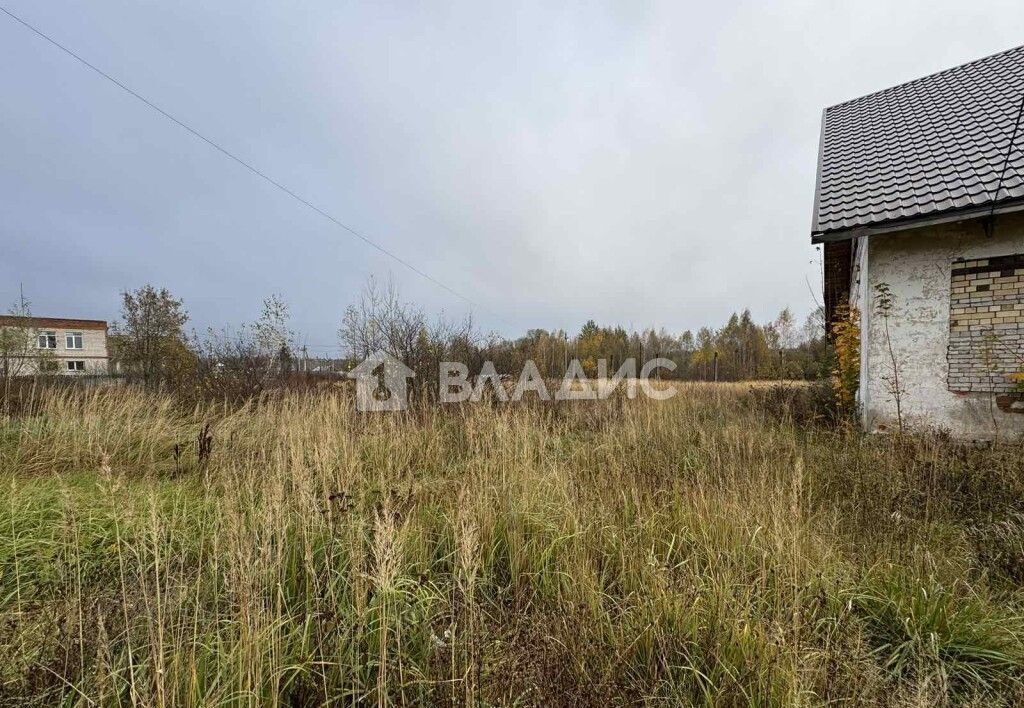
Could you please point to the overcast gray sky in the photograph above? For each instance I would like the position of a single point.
(644, 164)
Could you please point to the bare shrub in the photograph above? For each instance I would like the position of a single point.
(380, 321)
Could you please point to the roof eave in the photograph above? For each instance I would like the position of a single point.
(946, 217)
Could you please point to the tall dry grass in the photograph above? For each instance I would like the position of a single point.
(716, 548)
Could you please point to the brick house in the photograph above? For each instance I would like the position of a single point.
(921, 188)
(54, 345)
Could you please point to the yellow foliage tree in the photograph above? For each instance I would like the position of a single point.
(846, 373)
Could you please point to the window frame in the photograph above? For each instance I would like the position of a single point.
(73, 337)
(73, 368)
(46, 339)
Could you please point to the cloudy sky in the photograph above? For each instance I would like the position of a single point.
(640, 164)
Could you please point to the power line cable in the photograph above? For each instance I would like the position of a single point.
(1006, 159)
(237, 159)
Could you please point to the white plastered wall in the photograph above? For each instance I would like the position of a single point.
(916, 265)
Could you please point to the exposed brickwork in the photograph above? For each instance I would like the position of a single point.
(838, 257)
(986, 324)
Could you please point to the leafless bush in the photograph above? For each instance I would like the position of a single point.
(380, 321)
(239, 364)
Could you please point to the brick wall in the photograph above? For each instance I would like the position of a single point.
(986, 324)
(837, 264)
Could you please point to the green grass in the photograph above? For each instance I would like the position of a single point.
(702, 550)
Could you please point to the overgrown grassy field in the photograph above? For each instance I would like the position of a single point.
(706, 549)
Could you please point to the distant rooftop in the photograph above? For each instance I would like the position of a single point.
(933, 145)
(54, 322)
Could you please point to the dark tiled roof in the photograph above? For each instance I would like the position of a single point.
(923, 147)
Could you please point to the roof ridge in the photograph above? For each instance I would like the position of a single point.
(920, 79)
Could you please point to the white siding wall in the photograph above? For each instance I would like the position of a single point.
(916, 264)
(93, 351)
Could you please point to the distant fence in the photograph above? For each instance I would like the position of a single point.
(73, 379)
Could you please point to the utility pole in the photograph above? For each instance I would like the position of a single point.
(716, 367)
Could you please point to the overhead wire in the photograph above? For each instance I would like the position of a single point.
(251, 168)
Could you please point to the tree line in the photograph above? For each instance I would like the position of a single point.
(739, 350)
(149, 343)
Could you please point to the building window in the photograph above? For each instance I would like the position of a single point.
(73, 340)
(986, 324)
(47, 340)
(76, 366)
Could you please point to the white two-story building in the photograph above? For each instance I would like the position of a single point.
(33, 345)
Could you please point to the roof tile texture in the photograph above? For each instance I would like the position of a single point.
(923, 147)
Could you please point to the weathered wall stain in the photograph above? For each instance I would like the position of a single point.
(918, 267)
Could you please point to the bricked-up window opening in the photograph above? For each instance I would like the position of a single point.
(986, 324)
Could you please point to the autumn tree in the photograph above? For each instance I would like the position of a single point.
(149, 338)
(590, 347)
